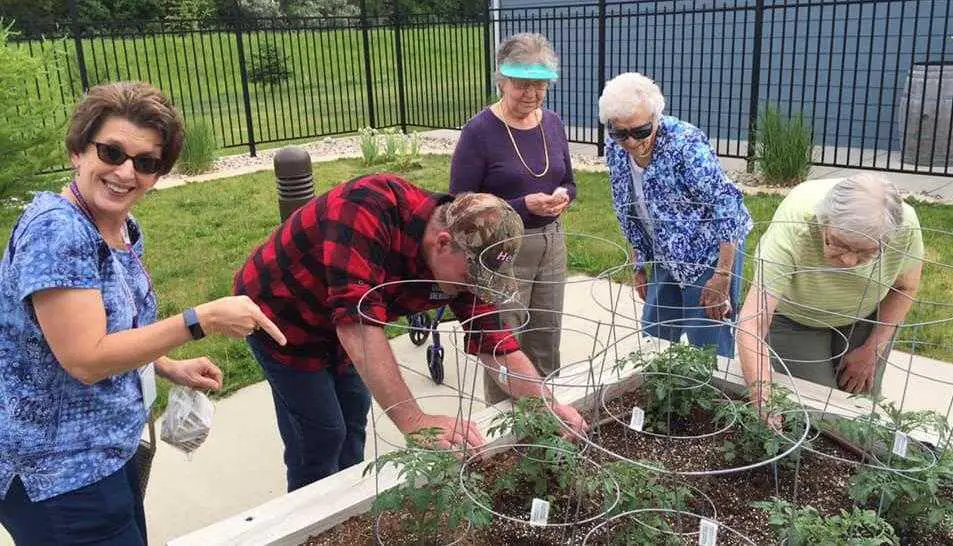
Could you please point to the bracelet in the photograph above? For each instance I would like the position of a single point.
(192, 323)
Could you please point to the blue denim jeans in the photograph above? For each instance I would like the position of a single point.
(105, 513)
(322, 416)
(671, 310)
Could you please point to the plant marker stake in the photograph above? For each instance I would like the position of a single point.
(638, 419)
(539, 513)
(900, 441)
(707, 532)
(504, 374)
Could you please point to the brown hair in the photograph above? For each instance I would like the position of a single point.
(138, 102)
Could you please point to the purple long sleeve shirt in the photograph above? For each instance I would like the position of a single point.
(485, 161)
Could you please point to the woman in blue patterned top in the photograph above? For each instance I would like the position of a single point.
(79, 341)
(680, 213)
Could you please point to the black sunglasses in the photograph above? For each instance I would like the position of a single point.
(114, 155)
(641, 132)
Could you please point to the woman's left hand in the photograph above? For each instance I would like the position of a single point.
(196, 373)
(714, 297)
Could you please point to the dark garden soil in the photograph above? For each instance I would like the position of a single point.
(805, 478)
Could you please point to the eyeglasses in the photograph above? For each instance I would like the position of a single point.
(525, 85)
(641, 132)
(114, 155)
(838, 248)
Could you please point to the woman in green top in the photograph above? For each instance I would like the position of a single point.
(840, 260)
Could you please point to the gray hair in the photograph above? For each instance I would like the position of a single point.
(625, 92)
(526, 48)
(862, 205)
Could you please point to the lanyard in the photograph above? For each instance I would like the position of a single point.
(87, 212)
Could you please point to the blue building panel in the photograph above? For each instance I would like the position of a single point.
(844, 65)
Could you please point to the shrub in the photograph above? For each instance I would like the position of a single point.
(785, 147)
(323, 8)
(370, 146)
(30, 138)
(399, 151)
(269, 65)
(200, 149)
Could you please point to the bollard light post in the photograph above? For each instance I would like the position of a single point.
(294, 179)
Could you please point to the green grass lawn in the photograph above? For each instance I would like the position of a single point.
(199, 234)
(326, 92)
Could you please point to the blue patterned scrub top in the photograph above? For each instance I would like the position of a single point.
(692, 204)
(56, 433)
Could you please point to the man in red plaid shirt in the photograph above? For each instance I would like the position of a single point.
(328, 276)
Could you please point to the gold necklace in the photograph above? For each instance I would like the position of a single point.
(515, 147)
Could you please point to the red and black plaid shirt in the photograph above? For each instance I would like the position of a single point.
(310, 274)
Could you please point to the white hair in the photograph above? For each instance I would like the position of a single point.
(626, 92)
(863, 205)
(526, 48)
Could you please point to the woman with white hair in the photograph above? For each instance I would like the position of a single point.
(678, 210)
(517, 150)
(840, 261)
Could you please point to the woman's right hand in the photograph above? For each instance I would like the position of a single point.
(236, 316)
(641, 282)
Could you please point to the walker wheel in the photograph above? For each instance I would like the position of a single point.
(419, 328)
(435, 363)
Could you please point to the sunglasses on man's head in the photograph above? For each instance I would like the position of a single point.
(641, 132)
(114, 155)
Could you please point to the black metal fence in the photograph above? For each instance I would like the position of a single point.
(874, 77)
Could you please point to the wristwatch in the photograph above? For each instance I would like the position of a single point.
(193, 324)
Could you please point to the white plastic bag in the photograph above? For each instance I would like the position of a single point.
(187, 419)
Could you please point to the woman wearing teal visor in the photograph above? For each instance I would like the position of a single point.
(517, 150)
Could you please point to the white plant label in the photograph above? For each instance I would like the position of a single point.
(900, 441)
(539, 513)
(638, 419)
(504, 374)
(707, 532)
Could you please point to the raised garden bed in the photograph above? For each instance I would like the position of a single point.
(713, 448)
(338, 510)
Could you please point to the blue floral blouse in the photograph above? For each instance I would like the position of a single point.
(692, 204)
(56, 433)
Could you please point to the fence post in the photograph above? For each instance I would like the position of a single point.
(398, 52)
(368, 74)
(755, 84)
(246, 93)
(600, 137)
(487, 52)
(78, 41)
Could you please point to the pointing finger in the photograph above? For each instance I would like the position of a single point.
(268, 326)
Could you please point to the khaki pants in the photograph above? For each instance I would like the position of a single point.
(814, 354)
(541, 268)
